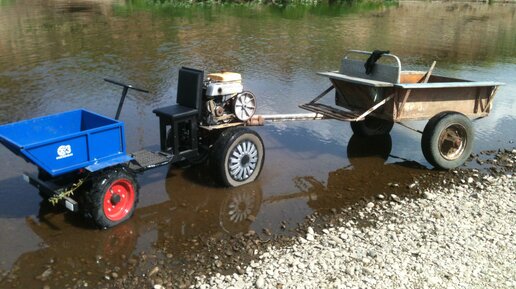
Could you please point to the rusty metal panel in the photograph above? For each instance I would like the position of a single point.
(424, 103)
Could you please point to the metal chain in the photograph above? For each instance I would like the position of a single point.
(57, 197)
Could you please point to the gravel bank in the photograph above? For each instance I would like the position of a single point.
(459, 234)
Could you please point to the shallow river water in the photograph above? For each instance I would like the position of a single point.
(54, 55)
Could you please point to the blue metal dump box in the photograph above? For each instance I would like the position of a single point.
(68, 141)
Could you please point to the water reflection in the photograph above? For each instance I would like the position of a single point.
(54, 54)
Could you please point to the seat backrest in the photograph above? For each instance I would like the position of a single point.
(189, 87)
(381, 72)
(353, 65)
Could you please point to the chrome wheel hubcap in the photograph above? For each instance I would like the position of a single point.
(243, 160)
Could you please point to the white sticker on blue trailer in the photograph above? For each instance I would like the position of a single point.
(64, 151)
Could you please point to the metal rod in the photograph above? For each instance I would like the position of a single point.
(121, 103)
(292, 116)
(416, 130)
(322, 94)
(363, 115)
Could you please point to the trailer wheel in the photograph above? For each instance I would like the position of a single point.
(371, 126)
(447, 140)
(238, 156)
(113, 197)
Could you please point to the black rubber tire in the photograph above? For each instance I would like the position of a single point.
(225, 145)
(431, 141)
(100, 184)
(371, 126)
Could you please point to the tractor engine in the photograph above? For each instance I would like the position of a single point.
(225, 100)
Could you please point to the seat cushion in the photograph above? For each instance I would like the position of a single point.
(175, 111)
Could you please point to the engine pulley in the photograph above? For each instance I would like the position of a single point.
(244, 105)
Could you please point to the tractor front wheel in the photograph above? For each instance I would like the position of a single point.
(113, 197)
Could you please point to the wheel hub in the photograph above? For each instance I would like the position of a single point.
(452, 141)
(115, 199)
(243, 160)
(118, 200)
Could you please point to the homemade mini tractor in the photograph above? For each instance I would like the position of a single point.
(82, 160)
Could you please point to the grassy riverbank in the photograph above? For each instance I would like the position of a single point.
(165, 3)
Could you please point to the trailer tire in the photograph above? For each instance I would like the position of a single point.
(447, 140)
(371, 126)
(243, 150)
(121, 185)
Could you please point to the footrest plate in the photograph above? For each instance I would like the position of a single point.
(144, 159)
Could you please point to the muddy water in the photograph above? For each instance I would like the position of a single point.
(54, 54)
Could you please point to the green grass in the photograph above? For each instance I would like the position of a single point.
(283, 8)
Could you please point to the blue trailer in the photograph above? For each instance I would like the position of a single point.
(83, 164)
(64, 142)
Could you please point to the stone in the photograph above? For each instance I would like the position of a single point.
(260, 282)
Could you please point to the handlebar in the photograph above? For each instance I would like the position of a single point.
(125, 85)
(124, 93)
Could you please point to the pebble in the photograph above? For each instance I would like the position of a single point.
(428, 195)
(260, 282)
(454, 241)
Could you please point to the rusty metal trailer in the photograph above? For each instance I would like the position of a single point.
(374, 102)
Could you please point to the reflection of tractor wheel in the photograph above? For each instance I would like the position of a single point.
(239, 207)
(367, 152)
(113, 197)
(371, 126)
(238, 156)
(447, 140)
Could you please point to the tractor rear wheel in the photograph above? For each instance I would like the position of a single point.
(238, 156)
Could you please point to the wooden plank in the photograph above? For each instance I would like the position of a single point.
(411, 76)
(220, 126)
(427, 75)
(490, 99)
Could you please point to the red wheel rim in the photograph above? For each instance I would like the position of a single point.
(118, 200)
